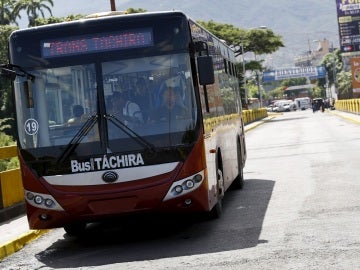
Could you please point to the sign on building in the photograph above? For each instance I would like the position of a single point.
(294, 72)
(348, 12)
(355, 73)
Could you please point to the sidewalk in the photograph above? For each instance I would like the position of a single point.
(352, 117)
(15, 233)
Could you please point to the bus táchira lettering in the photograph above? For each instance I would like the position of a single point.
(104, 163)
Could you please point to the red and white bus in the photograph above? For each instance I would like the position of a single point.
(103, 165)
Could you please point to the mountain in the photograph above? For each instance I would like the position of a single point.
(298, 22)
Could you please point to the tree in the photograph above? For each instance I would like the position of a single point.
(134, 10)
(258, 41)
(227, 32)
(345, 88)
(50, 20)
(6, 107)
(261, 41)
(6, 12)
(33, 9)
(333, 64)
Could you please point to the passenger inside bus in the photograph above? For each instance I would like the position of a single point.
(171, 107)
(78, 112)
(125, 110)
(141, 97)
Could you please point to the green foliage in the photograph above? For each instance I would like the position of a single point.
(135, 10)
(333, 64)
(262, 41)
(6, 105)
(254, 65)
(50, 20)
(6, 14)
(318, 92)
(277, 93)
(5, 31)
(7, 164)
(345, 85)
(227, 32)
(33, 9)
(293, 82)
(259, 41)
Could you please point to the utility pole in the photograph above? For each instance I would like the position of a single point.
(244, 72)
(258, 78)
(112, 4)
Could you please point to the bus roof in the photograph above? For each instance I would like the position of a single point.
(105, 16)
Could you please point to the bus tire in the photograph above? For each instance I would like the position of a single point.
(75, 229)
(238, 182)
(217, 210)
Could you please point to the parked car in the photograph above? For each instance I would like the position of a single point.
(282, 106)
(289, 106)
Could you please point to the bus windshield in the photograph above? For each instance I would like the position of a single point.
(151, 98)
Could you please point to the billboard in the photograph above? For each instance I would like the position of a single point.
(355, 73)
(348, 12)
(294, 72)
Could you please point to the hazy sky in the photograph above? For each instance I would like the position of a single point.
(63, 8)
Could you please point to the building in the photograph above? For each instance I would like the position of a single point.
(313, 58)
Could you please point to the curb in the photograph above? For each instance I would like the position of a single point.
(12, 246)
(12, 211)
(259, 122)
(349, 118)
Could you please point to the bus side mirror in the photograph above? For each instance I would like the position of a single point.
(205, 70)
(8, 73)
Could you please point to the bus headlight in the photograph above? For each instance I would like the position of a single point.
(185, 186)
(38, 199)
(198, 178)
(178, 189)
(189, 184)
(44, 201)
(49, 203)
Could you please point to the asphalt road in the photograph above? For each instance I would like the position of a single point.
(299, 209)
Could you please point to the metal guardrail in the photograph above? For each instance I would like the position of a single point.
(348, 105)
(11, 188)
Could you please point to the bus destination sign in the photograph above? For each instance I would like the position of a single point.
(97, 43)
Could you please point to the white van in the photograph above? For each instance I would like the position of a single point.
(303, 103)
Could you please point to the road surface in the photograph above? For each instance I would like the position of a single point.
(299, 209)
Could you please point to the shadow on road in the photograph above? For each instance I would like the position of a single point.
(163, 237)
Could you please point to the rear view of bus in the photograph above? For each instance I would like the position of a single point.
(83, 156)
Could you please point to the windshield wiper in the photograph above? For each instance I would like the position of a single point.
(132, 134)
(11, 71)
(83, 131)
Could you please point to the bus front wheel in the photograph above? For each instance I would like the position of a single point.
(239, 180)
(217, 210)
(75, 229)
